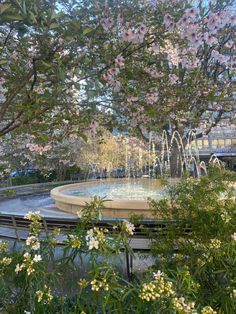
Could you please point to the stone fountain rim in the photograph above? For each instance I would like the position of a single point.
(57, 195)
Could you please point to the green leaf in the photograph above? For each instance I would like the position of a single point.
(3, 61)
(87, 30)
(4, 7)
(47, 65)
(84, 137)
(44, 137)
(8, 17)
(53, 25)
(32, 17)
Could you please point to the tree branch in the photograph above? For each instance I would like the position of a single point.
(13, 94)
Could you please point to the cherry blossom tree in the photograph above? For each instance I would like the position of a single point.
(141, 65)
(177, 64)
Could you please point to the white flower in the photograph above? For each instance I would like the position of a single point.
(90, 234)
(33, 215)
(93, 243)
(30, 270)
(37, 258)
(18, 268)
(158, 274)
(233, 236)
(33, 242)
(129, 227)
(27, 256)
(95, 238)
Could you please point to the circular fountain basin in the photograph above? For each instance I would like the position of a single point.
(124, 197)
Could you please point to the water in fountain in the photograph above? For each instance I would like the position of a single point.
(125, 189)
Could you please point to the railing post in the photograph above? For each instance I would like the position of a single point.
(45, 226)
(15, 226)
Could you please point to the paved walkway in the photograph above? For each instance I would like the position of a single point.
(30, 189)
(22, 204)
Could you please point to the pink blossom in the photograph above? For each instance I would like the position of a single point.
(168, 19)
(154, 73)
(229, 44)
(196, 44)
(142, 29)
(233, 20)
(116, 85)
(183, 22)
(192, 12)
(190, 63)
(151, 98)
(135, 35)
(173, 79)
(93, 128)
(215, 54)
(210, 39)
(192, 36)
(120, 18)
(131, 99)
(38, 148)
(107, 24)
(119, 60)
(155, 48)
(114, 71)
(128, 35)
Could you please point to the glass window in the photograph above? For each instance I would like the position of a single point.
(221, 143)
(228, 142)
(234, 142)
(199, 143)
(205, 143)
(214, 143)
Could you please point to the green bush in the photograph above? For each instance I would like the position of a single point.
(198, 248)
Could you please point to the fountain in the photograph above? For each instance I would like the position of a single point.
(124, 197)
(129, 196)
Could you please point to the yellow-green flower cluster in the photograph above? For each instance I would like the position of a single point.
(44, 296)
(215, 244)
(3, 247)
(28, 263)
(5, 261)
(225, 216)
(75, 241)
(180, 305)
(35, 225)
(205, 258)
(83, 283)
(208, 310)
(99, 284)
(157, 288)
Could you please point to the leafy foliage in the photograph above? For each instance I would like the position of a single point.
(197, 248)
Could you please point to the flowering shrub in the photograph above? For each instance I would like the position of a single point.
(193, 270)
(198, 247)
